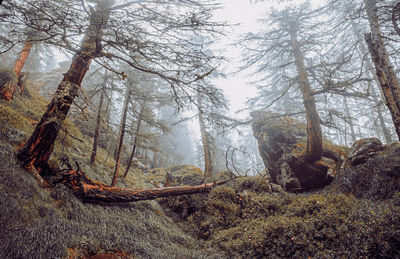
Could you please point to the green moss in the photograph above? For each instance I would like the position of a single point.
(9, 118)
(248, 223)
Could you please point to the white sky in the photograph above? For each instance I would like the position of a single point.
(243, 15)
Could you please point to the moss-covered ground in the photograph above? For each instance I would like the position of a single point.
(53, 223)
(243, 219)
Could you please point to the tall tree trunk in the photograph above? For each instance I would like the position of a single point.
(350, 120)
(20, 62)
(135, 141)
(7, 90)
(363, 49)
(98, 120)
(121, 136)
(314, 132)
(107, 122)
(37, 150)
(205, 142)
(384, 69)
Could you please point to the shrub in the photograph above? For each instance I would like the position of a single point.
(245, 223)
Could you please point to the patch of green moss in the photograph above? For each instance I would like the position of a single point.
(9, 118)
(248, 223)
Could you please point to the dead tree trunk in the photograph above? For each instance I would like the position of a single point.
(135, 141)
(91, 191)
(121, 136)
(314, 132)
(384, 70)
(98, 120)
(37, 150)
(377, 102)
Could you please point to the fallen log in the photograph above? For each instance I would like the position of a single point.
(92, 191)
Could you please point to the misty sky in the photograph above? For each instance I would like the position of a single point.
(243, 14)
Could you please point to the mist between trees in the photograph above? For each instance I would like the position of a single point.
(142, 71)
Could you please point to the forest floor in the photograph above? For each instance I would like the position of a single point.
(40, 222)
(244, 219)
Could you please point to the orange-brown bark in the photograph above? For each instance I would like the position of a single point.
(7, 90)
(92, 191)
(21, 60)
(37, 150)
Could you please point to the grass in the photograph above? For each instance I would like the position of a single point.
(246, 220)
(53, 223)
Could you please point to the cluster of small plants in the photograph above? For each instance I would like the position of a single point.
(245, 221)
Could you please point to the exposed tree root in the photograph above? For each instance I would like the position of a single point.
(32, 170)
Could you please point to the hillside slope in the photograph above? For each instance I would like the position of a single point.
(53, 223)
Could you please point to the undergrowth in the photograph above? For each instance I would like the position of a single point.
(246, 222)
(53, 223)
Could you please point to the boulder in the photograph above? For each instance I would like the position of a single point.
(183, 175)
(362, 150)
(372, 170)
(281, 143)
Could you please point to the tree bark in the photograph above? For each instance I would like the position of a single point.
(91, 191)
(314, 132)
(121, 137)
(37, 150)
(20, 62)
(7, 90)
(350, 120)
(204, 139)
(135, 141)
(98, 120)
(384, 69)
(363, 49)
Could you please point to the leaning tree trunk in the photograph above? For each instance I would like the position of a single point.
(135, 141)
(384, 70)
(364, 52)
(37, 150)
(314, 132)
(20, 62)
(121, 137)
(98, 120)
(7, 90)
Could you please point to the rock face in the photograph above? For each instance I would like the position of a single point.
(372, 170)
(281, 143)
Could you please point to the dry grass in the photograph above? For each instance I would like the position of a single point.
(50, 223)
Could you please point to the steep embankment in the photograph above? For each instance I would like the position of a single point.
(53, 223)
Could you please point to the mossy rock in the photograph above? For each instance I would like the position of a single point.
(372, 171)
(298, 226)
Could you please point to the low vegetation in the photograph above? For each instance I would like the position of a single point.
(248, 221)
(53, 223)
